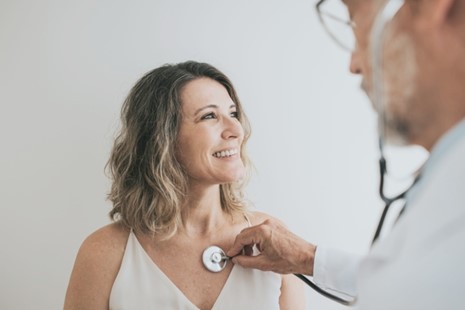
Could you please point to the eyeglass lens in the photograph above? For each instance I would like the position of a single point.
(336, 20)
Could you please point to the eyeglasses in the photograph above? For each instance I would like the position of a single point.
(336, 21)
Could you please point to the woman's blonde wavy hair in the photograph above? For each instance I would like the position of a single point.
(149, 185)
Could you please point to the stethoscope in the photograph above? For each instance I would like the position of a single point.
(214, 258)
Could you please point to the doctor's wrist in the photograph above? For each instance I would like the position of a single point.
(308, 259)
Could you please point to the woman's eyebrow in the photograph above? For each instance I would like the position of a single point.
(206, 107)
(211, 106)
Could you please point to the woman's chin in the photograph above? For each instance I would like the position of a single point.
(233, 177)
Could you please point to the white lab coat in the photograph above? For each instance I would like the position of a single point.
(421, 264)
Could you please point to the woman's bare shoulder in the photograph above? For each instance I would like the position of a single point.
(104, 248)
(110, 239)
(96, 267)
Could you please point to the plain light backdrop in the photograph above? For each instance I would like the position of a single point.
(65, 69)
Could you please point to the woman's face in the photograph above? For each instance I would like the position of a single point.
(210, 134)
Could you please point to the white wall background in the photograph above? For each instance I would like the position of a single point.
(65, 68)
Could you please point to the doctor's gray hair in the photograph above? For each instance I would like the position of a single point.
(149, 185)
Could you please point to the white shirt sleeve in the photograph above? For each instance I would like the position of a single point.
(336, 271)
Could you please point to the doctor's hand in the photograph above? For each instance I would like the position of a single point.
(281, 251)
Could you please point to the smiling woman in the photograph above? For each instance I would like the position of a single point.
(178, 167)
(152, 162)
(210, 117)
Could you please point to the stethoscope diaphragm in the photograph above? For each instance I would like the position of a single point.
(214, 258)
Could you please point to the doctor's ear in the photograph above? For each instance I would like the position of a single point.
(437, 11)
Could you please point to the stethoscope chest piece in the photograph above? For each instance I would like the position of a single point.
(214, 259)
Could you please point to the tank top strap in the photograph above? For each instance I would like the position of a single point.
(247, 220)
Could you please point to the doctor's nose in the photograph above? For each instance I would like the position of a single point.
(355, 63)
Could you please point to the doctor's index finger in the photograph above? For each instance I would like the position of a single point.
(248, 236)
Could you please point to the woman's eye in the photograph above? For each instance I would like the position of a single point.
(235, 114)
(209, 116)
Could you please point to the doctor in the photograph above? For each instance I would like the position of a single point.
(421, 263)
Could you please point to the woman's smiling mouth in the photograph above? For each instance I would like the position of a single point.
(225, 153)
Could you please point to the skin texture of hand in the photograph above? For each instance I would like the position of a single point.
(281, 251)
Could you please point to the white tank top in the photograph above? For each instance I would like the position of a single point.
(141, 285)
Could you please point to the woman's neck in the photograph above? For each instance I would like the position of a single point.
(202, 213)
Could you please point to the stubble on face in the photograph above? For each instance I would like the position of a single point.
(400, 68)
(400, 71)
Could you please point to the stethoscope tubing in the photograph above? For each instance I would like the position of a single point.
(324, 292)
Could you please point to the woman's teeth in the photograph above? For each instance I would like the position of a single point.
(227, 153)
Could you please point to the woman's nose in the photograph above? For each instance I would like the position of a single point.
(232, 128)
